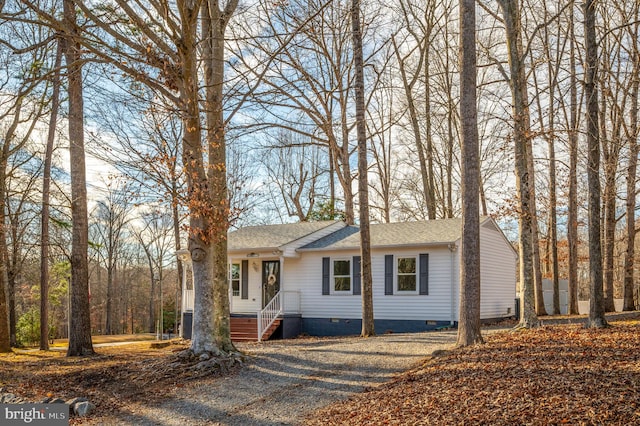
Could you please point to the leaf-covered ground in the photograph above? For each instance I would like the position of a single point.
(553, 375)
(111, 379)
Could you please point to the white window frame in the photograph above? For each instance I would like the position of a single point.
(231, 280)
(333, 276)
(396, 274)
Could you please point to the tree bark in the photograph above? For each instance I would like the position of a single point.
(596, 305)
(469, 312)
(524, 180)
(214, 23)
(629, 260)
(5, 299)
(535, 240)
(368, 328)
(80, 323)
(572, 225)
(46, 193)
(200, 207)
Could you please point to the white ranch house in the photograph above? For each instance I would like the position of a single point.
(305, 277)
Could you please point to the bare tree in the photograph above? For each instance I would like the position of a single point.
(469, 312)
(305, 80)
(295, 168)
(46, 197)
(155, 239)
(572, 225)
(23, 103)
(109, 231)
(632, 133)
(368, 328)
(596, 305)
(158, 46)
(420, 26)
(80, 324)
(524, 183)
(215, 17)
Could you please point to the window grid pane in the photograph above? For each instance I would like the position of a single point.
(406, 283)
(407, 274)
(235, 279)
(407, 265)
(342, 283)
(342, 275)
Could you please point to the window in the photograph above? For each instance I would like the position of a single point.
(341, 275)
(235, 279)
(406, 273)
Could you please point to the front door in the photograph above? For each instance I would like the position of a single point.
(270, 280)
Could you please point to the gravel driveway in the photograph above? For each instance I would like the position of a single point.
(284, 380)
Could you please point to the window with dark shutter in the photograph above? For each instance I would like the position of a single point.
(356, 275)
(326, 262)
(388, 274)
(245, 280)
(424, 274)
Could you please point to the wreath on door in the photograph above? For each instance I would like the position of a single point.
(271, 279)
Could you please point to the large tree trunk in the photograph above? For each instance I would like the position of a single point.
(553, 228)
(629, 261)
(80, 322)
(6, 282)
(109, 321)
(609, 220)
(469, 312)
(524, 181)
(535, 240)
(200, 207)
(214, 24)
(46, 193)
(368, 328)
(596, 306)
(572, 225)
(5, 328)
(178, 246)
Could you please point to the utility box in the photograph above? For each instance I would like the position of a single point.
(187, 324)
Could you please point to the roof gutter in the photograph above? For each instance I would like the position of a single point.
(386, 246)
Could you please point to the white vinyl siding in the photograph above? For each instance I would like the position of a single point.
(254, 288)
(497, 274)
(436, 306)
(302, 279)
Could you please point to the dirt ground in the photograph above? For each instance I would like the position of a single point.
(559, 374)
(114, 377)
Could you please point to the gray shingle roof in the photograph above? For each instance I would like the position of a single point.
(393, 234)
(272, 236)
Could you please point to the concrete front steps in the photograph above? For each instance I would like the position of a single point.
(245, 329)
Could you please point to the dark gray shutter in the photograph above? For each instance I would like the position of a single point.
(424, 274)
(388, 274)
(244, 291)
(325, 275)
(356, 275)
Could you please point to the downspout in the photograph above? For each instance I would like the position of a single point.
(452, 250)
(282, 307)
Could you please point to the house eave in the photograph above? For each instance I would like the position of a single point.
(382, 247)
(264, 252)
